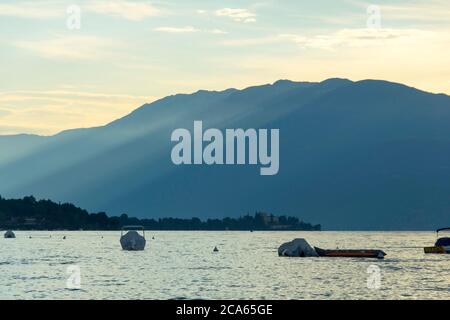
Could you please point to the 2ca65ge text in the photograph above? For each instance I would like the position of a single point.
(245, 309)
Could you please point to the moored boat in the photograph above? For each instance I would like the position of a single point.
(442, 245)
(132, 240)
(9, 234)
(363, 253)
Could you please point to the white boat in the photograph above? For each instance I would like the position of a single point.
(9, 235)
(131, 240)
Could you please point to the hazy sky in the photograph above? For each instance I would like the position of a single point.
(126, 53)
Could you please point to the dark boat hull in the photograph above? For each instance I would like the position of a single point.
(437, 250)
(378, 254)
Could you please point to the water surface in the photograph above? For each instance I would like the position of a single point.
(182, 265)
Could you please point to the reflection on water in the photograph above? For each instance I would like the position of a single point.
(182, 265)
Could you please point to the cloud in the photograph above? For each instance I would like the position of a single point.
(72, 47)
(4, 112)
(63, 98)
(51, 111)
(418, 58)
(426, 12)
(357, 38)
(252, 41)
(432, 11)
(348, 38)
(217, 31)
(187, 29)
(131, 10)
(238, 15)
(31, 10)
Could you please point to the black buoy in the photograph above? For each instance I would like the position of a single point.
(215, 249)
(153, 238)
(64, 238)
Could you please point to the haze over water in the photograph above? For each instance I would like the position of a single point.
(182, 265)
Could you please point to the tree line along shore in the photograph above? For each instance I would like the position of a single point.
(31, 214)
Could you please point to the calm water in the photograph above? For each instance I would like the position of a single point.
(181, 265)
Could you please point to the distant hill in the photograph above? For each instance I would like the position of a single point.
(353, 155)
(31, 214)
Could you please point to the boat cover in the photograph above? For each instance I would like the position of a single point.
(297, 248)
(132, 241)
(9, 234)
(443, 242)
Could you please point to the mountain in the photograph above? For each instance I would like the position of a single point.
(353, 155)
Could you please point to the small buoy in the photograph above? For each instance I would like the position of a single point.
(215, 249)
(64, 238)
(153, 238)
(30, 237)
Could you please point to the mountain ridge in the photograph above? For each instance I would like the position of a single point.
(221, 91)
(368, 154)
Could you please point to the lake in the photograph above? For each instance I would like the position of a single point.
(182, 265)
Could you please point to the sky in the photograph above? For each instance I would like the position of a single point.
(84, 63)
